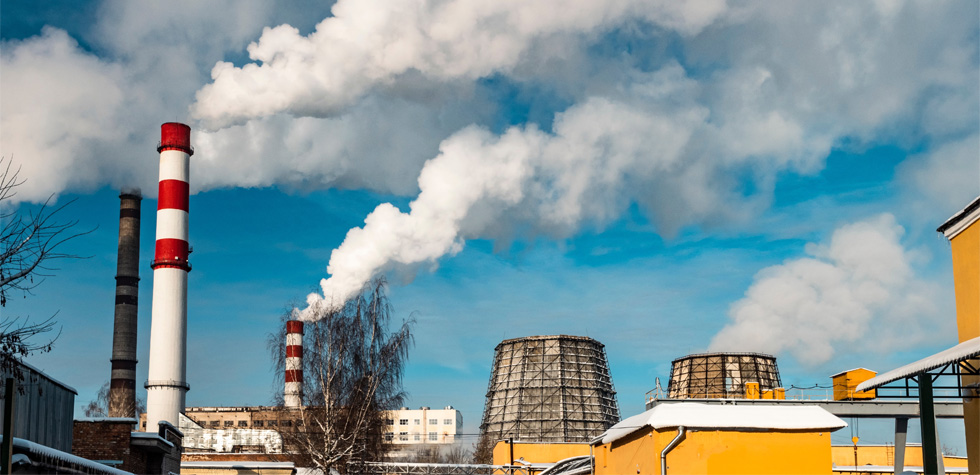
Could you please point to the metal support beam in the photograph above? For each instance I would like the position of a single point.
(901, 434)
(927, 422)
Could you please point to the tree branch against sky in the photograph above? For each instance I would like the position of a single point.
(29, 245)
(353, 365)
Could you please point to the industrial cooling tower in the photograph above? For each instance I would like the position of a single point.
(721, 375)
(549, 389)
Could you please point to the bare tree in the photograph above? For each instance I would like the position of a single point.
(353, 367)
(29, 244)
(99, 407)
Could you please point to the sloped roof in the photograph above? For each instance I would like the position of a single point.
(961, 220)
(964, 351)
(709, 416)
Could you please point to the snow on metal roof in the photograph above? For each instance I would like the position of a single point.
(964, 351)
(709, 416)
(43, 451)
(242, 464)
(961, 220)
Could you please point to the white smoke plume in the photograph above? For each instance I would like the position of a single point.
(368, 43)
(859, 288)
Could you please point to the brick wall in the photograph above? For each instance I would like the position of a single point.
(107, 440)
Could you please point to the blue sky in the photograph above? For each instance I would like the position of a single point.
(667, 179)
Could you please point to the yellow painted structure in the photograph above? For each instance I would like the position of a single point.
(963, 232)
(534, 452)
(884, 455)
(846, 382)
(718, 452)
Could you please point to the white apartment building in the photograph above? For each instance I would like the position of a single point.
(424, 426)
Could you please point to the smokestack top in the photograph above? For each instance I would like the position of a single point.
(294, 326)
(131, 192)
(175, 136)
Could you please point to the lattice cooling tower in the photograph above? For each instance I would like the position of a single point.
(549, 389)
(721, 375)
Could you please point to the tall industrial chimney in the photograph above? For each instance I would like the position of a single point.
(122, 385)
(294, 364)
(166, 385)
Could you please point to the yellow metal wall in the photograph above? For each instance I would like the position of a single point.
(846, 383)
(966, 281)
(719, 452)
(885, 455)
(537, 452)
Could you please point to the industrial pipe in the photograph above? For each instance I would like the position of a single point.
(166, 387)
(681, 431)
(293, 395)
(122, 385)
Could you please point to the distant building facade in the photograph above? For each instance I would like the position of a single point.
(424, 426)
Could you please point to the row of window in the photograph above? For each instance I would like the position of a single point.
(432, 422)
(403, 436)
(256, 423)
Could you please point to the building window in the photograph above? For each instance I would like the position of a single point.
(390, 422)
(418, 422)
(229, 423)
(433, 436)
(299, 423)
(215, 423)
(272, 423)
(287, 423)
(389, 436)
(433, 422)
(242, 423)
(403, 436)
(257, 424)
(418, 436)
(447, 422)
(403, 422)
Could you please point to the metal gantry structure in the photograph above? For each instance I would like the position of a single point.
(549, 389)
(721, 375)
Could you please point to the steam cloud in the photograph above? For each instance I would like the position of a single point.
(862, 280)
(390, 96)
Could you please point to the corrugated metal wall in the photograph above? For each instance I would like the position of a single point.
(43, 411)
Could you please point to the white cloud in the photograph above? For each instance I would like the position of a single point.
(860, 289)
(58, 102)
(949, 174)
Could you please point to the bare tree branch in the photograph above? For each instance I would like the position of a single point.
(29, 244)
(353, 368)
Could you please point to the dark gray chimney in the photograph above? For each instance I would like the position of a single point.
(122, 386)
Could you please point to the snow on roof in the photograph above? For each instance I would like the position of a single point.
(961, 220)
(33, 448)
(150, 435)
(704, 416)
(131, 420)
(236, 464)
(964, 351)
(852, 369)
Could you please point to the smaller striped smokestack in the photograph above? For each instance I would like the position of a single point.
(293, 396)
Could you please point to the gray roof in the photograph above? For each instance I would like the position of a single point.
(962, 352)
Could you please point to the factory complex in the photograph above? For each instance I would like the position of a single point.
(551, 406)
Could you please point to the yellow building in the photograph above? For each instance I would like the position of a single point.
(884, 456)
(845, 383)
(536, 452)
(694, 438)
(963, 233)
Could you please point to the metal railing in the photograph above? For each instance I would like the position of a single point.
(398, 468)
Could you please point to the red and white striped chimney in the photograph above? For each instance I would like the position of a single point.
(293, 395)
(166, 385)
